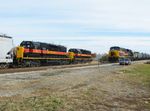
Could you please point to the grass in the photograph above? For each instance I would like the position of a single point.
(86, 99)
(139, 74)
(47, 103)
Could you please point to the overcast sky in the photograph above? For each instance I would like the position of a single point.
(90, 24)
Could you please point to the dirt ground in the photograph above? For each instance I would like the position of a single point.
(89, 88)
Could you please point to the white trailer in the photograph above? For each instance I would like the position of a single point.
(6, 53)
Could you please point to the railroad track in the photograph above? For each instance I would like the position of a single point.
(29, 69)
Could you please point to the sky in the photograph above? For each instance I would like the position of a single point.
(89, 24)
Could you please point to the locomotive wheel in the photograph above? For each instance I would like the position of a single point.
(67, 62)
(30, 63)
(37, 63)
(26, 64)
(61, 62)
(4, 66)
(34, 64)
(23, 64)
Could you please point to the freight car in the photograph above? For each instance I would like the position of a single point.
(141, 56)
(6, 55)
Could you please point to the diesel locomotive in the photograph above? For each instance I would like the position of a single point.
(80, 55)
(117, 52)
(33, 54)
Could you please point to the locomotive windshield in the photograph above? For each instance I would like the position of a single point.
(115, 48)
(80, 51)
(27, 44)
(76, 51)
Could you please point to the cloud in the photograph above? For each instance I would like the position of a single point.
(92, 24)
(117, 15)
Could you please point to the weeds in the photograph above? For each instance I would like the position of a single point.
(47, 103)
(140, 74)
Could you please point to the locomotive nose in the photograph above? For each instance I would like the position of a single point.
(112, 53)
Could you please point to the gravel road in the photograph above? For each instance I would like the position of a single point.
(105, 86)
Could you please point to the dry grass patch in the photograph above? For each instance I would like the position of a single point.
(139, 74)
(46, 103)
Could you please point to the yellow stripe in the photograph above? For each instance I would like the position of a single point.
(46, 58)
(82, 58)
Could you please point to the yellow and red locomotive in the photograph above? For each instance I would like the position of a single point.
(117, 52)
(31, 53)
(80, 55)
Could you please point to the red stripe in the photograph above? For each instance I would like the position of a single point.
(57, 53)
(121, 53)
(83, 55)
(43, 51)
(35, 51)
(26, 50)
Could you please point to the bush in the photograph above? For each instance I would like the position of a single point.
(104, 58)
